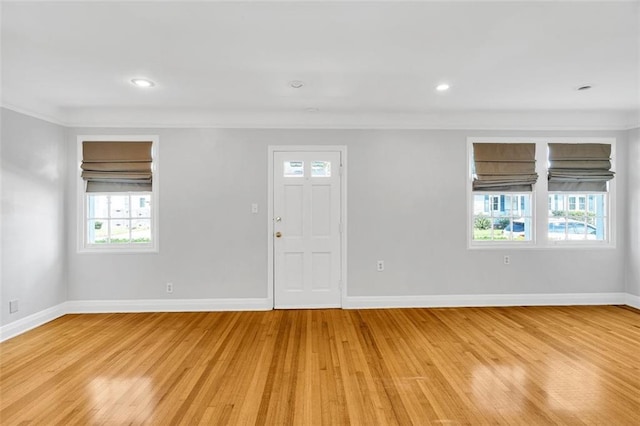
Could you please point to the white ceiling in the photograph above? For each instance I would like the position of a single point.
(510, 64)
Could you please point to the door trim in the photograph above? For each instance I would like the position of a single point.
(342, 149)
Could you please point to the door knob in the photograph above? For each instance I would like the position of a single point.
(278, 219)
(278, 234)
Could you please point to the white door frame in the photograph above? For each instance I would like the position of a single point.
(343, 213)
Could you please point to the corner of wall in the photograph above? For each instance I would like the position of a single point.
(631, 261)
(633, 301)
(30, 322)
(34, 167)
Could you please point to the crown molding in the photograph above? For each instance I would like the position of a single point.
(35, 114)
(454, 120)
(434, 120)
(312, 1)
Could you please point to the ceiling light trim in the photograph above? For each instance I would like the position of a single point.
(143, 83)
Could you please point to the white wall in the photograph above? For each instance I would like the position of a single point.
(633, 252)
(34, 251)
(400, 209)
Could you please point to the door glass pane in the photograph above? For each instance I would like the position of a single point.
(294, 169)
(321, 169)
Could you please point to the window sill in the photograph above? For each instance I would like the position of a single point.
(118, 250)
(518, 245)
(564, 245)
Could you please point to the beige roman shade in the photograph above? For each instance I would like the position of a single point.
(117, 166)
(504, 167)
(579, 166)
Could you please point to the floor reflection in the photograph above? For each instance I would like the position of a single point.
(492, 387)
(122, 400)
(572, 386)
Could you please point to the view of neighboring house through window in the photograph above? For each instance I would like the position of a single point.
(502, 217)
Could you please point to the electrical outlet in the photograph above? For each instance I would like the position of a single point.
(507, 260)
(254, 208)
(13, 306)
(169, 287)
(380, 265)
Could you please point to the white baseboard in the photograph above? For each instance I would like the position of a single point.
(164, 305)
(115, 306)
(633, 301)
(353, 302)
(32, 321)
(479, 300)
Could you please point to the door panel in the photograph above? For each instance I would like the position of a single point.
(321, 271)
(293, 272)
(293, 211)
(321, 211)
(307, 247)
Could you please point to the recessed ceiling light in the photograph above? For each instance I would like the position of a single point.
(584, 87)
(311, 109)
(296, 84)
(142, 82)
(442, 87)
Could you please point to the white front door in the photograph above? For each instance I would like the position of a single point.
(306, 241)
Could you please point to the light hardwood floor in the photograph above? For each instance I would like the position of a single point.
(535, 365)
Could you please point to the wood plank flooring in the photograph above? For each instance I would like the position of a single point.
(533, 366)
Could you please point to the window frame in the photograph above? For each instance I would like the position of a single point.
(82, 198)
(540, 198)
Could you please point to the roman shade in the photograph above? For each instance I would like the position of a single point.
(117, 166)
(504, 167)
(579, 166)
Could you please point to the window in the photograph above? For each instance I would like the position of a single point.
(574, 168)
(495, 204)
(503, 177)
(294, 169)
(118, 187)
(579, 190)
(321, 169)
